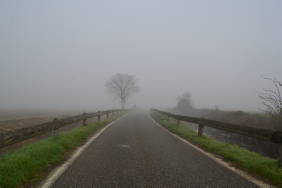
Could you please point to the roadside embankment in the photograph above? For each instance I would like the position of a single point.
(24, 165)
(258, 120)
(252, 162)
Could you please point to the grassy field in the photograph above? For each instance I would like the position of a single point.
(252, 162)
(24, 165)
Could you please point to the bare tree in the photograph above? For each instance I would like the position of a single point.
(273, 103)
(122, 87)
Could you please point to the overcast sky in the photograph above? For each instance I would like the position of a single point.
(58, 54)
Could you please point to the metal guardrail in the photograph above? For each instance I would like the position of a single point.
(8, 138)
(259, 133)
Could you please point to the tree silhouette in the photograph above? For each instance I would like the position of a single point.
(121, 87)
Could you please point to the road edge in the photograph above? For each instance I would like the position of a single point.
(57, 172)
(218, 160)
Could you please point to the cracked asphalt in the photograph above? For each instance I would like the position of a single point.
(135, 152)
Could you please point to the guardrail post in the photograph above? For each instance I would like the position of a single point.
(200, 129)
(178, 122)
(107, 114)
(280, 155)
(55, 131)
(85, 120)
(280, 147)
(99, 116)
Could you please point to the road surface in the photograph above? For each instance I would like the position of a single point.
(135, 152)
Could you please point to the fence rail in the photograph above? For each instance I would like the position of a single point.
(259, 133)
(8, 138)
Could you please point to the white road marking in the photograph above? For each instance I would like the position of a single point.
(55, 174)
(219, 160)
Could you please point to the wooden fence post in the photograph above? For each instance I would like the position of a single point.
(55, 131)
(200, 129)
(85, 120)
(280, 148)
(99, 116)
(113, 112)
(167, 118)
(280, 155)
(178, 122)
(107, 114)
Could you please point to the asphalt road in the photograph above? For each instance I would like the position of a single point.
(135, 152)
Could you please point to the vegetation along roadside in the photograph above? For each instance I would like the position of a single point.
(22, 166)
(250, 161)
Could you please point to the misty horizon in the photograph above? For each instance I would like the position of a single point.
(57, 55)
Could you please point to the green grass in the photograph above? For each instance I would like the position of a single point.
(251, 161)
(24, 165)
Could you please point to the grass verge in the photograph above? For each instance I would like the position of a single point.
(251, 161)
(23, 165)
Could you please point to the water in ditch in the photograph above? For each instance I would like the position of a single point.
(232, 138)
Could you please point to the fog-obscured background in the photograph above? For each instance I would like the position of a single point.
(58, 54)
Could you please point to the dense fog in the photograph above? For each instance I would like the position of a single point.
(57, 55)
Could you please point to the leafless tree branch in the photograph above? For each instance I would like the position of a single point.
(272, 101)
